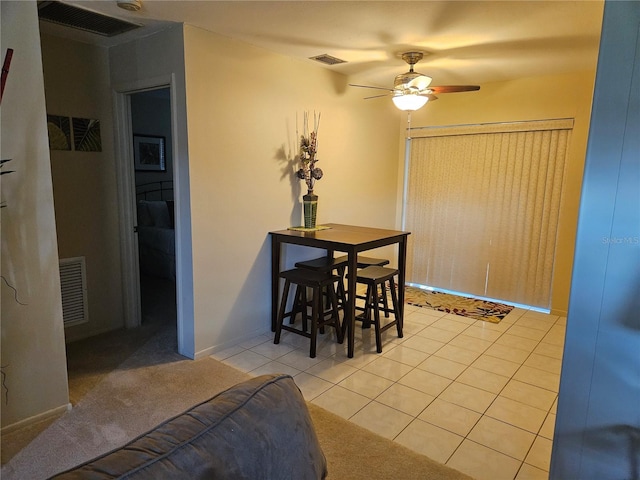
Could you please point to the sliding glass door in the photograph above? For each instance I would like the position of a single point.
(483, 204)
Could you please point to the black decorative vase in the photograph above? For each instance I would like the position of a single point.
(310, 203)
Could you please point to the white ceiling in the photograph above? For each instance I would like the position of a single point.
(468, 42)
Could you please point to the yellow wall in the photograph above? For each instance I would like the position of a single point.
(534, 98)
(84, 183)
(33, 350)
(241, 106)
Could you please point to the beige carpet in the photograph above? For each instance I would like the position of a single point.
(155, 383)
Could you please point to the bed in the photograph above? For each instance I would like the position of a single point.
(156, 233)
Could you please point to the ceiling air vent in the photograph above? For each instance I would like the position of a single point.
(327, 59)
(74, 17)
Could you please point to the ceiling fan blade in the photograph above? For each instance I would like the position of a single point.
(454, 88)
(430, 96)
(378, 96)
(369, 86)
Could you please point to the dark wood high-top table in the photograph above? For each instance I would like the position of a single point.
(342, 238)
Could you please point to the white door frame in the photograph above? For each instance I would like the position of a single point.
(127, 198)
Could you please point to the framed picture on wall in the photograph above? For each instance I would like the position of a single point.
(148, 153)
(59, 129)
(86, 135)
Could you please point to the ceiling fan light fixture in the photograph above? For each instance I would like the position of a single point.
(415, 80)
(409, 102)
(421, 83)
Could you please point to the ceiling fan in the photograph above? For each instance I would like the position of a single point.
(412, 90)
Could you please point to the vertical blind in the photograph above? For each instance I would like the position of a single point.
(482, 204)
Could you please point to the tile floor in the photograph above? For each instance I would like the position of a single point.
(477, 396)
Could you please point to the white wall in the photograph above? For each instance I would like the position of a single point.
(158, 60)
(598, 421)
(76, 79)
(237, 181)
(33, 351)
(242, 104)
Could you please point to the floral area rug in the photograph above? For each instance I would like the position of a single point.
(467, 307)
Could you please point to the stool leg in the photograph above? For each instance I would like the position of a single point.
(344, 326)
(385, 301)
(298, 306)
(394, 301)
(325, 296)
(283, 304)
(376, 319)
(336, 315)
(341, 293)
(304, 302)
(316, 310)
(325, 301)
(370, 298)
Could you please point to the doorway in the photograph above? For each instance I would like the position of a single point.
(179, 168)
(152, 143)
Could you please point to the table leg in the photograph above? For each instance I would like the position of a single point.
(402, 264)
(275, 280)
(350, 311)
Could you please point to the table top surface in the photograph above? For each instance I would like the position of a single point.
(345, 234)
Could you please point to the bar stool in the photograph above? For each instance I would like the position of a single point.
(364, 262)
(374, 277)
(327, 265)
(317, 282)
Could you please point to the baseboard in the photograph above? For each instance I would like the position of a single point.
(560, 313)
(54, 413)
(218, 348)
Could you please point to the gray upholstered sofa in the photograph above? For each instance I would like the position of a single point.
(258, 429)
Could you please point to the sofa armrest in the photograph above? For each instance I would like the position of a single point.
(258, 429)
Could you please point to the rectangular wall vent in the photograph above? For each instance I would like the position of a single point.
(75, 17)
(73, 283)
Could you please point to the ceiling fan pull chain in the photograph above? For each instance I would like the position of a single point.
(409, 125)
